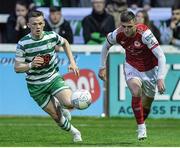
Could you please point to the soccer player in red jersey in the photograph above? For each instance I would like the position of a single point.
(144, 66)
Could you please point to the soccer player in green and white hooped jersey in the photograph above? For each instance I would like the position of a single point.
(36, 56)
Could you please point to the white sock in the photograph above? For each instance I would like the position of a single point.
(62, 120)
(73, 130)
(65, 124)
(142, 126)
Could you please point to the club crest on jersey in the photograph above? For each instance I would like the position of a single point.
(137, 44)
(49, 45)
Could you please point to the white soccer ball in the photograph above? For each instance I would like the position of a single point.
(81, 99)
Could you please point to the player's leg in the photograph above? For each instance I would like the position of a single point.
(147, 102)
(135, 86)
(64, 111)
(42, 95)
(148, 89)
(53, 109)
(64, 97)
(62, 93)
(57, 86)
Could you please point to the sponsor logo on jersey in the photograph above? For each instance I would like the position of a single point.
(149, 37)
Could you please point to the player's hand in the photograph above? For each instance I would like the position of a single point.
(161, 86)
(74, 68)
(37, 62)
(102, 74)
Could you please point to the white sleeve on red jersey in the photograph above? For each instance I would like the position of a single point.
(149, 39)
(111, 37)
(110, 41)
(158, 52)
(104, 53)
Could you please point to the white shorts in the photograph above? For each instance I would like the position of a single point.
(148, 79)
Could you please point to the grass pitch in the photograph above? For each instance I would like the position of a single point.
(42, 131)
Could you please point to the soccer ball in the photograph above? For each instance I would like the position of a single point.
(81, 99)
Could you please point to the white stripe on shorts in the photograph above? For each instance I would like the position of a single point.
(57, 90)
(46, 102)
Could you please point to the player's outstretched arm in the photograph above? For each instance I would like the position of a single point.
(158, 52)
(150, 40)
(110, 41)
(104, 54)
(72, 66)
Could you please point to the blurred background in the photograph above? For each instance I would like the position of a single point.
(85, 24)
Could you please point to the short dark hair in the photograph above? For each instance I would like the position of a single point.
(127, 16)
(35, 13)
(54, 8)
(22, 3)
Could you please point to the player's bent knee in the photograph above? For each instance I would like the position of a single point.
(136, 91)
(64, 98)
(135, 88)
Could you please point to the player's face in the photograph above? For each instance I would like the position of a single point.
(21, 10)
(129, 28)
(36, 25)
(139, 17)
(55, 17)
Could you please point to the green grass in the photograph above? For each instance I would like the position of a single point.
(42, 131)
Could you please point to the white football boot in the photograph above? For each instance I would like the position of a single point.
(142, 134)
(76, 135)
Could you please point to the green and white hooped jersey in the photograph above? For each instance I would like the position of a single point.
(27, 48)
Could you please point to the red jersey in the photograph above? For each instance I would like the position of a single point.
(138, 48)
